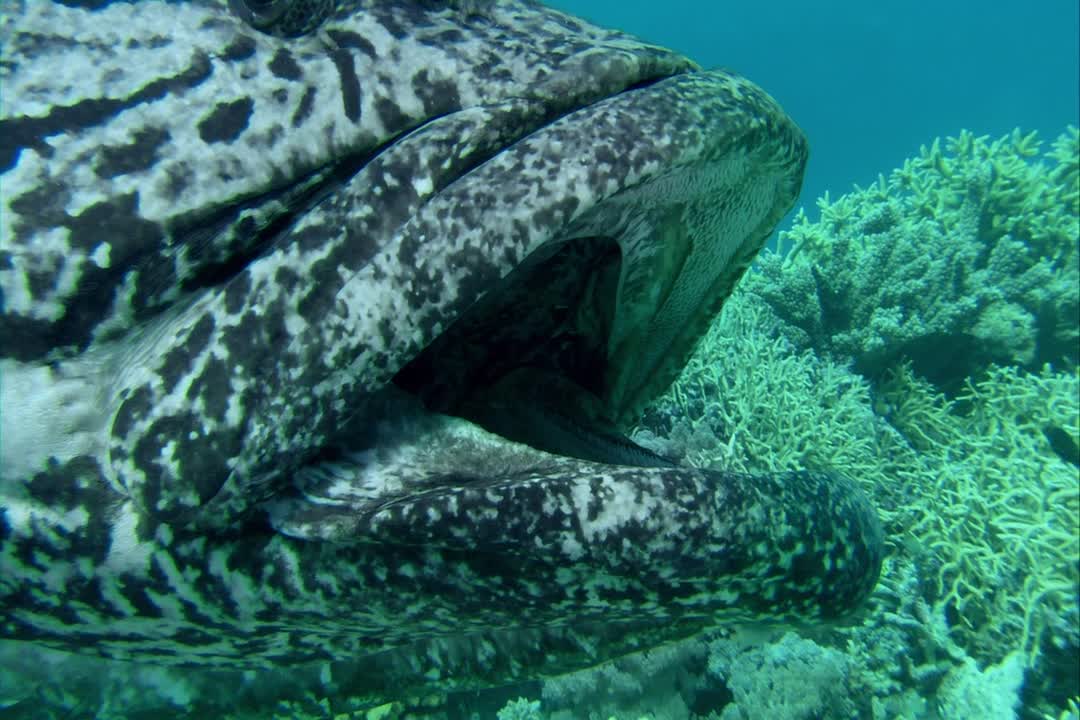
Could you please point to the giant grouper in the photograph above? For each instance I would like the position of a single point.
(323, 324)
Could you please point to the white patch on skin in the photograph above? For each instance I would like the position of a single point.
(423, 185)
(616, 510)
(57, 576)
(46, 414)
(127, 554)
(242, 590)
(101, 255)
(572, 548)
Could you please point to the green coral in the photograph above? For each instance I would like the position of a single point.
(749, 401)
(521, 709)
(1001, 508)
(966, 256)
(979, 492)
(792, 679)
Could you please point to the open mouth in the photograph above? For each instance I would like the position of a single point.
(570, 344)
(529, 361)
(562, 303)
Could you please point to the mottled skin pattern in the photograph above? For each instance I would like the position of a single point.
(221, 244)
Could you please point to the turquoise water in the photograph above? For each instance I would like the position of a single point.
(893, 381)
(871, 82)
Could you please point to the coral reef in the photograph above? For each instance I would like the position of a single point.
(521, 709)
(1000, 504)
(657, 682)
(979, 494)
(793, 678)
(964, 257)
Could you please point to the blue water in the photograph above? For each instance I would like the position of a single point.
(870, 82)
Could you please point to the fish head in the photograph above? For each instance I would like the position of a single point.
(320, 333)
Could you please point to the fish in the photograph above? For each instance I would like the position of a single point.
(323, 325)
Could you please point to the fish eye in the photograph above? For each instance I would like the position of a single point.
(284, 18)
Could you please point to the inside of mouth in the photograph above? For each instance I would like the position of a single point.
(529, 361)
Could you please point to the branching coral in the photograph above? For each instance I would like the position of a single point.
(747, 401)
(793, 679)
(964, 257)
(1005, 500)
(979, 491)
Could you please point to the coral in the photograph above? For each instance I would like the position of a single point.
(793, 679)
(979, 492)
(902, 649)
(1002, 504)
(748, 401)
(991, 694)
(521, 709)
(964, 257)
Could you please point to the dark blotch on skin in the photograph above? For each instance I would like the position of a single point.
(90, 594)
(558, 214)
(135, 406)
(303, 110)
(78, 483)
(117, 220)
(350, 84)
(320, 299)
(136, 595)
(140, 154)
(132, 240)
(201, 459)
(390, 114)
(212, 385)
(237, 293)
(284, 66)
(241, 48)
(287, 278)
(345, 39)
(449, 38)
(178, 361)
(439, 96)
(52, 489)
(41, 207)
(18, 133)
(253, 342)
(192, 637)
(226, 121)
(387, 19)
(178, 179)
(358, 249)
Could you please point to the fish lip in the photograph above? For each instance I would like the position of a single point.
(457, 209)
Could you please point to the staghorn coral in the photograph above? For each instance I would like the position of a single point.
(964, 257)
(749, 401)
(979, 493)
(1001, 505)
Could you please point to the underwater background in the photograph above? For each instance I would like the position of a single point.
(920, 333)
(870, 83)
